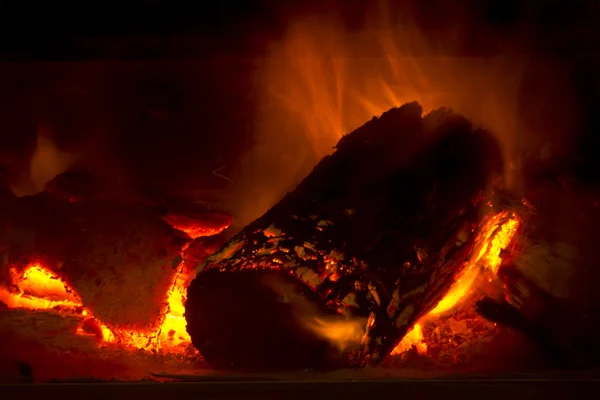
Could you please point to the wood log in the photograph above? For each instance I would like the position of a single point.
(374, 237)
(550, 280)
(120, 257)
(566, 332)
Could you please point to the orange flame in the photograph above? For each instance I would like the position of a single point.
(37, 288)
(343, 334)
(413, 339)
(323, 80)
(496, 235)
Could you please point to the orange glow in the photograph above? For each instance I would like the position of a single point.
(343, 334)
(496, 235)
(322, 79)
(37, 288)
(196, 228)
(414, 338)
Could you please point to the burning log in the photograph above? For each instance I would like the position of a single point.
(97, 285)
(339, 270)
(197, 221)
(104, 250)
(550, 283)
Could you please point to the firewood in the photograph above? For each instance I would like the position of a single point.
(550, 280)
(119, 257)
(373, 236)
(565, 331)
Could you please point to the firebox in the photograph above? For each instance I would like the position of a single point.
(300, 191)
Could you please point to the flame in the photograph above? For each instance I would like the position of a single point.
(342, 333)
(323, 79)
(496, 235)
(37, 288)
(413, 339)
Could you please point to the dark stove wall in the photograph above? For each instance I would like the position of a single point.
(160, 94)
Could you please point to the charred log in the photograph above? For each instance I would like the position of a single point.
(551, 280)
(196, 220)
(120, 257)
(193, 218)
(377, 232)
(286, 342)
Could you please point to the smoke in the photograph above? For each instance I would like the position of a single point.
(338, 330)
(47, 161)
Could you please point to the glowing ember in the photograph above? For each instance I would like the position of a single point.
(199, 227)
(414, 338)
(496, 234)
(37, 288)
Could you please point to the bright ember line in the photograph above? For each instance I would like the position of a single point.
(37, 288)
(496, 235)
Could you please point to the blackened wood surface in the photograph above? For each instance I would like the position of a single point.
(378, 231)
(120, 258)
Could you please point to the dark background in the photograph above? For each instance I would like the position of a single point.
(161, 93)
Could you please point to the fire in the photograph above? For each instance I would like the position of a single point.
(198, 227)
(414, 338)
(37, 288)
(40, 289)
(496, 235)
(325, 78)
(342, 333)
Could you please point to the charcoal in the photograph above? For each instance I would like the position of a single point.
(120, 257)
(374, 236)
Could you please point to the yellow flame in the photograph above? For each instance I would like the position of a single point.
(496, 234)
(323, 80)
(414, 338)
(342, 333)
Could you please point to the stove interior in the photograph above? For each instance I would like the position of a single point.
(301, 189)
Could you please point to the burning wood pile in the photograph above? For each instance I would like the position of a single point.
(88, 279)
(389, 247)
(369, 243)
